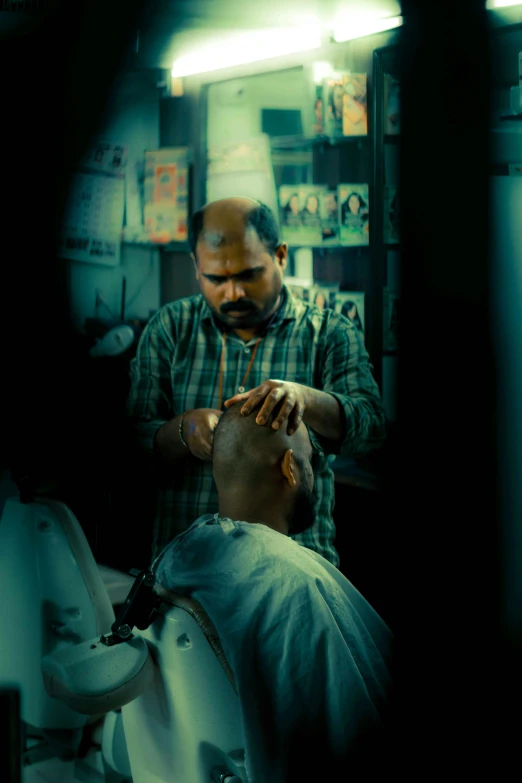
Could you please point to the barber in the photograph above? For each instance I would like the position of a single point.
(245, 338)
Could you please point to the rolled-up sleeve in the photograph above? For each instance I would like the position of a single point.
(347, 376)
(149, 404)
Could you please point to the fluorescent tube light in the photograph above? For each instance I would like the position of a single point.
(359, 25)
(501, 3)
(251, 47)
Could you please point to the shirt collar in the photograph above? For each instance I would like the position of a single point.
(285, 312)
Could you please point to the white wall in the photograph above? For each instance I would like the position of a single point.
(132, 119)
(234, 107)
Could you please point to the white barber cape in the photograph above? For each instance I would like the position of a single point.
(309, 654)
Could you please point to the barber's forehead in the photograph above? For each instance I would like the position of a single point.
(215, 236)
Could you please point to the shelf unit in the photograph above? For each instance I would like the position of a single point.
(386, 256)
(328, 161)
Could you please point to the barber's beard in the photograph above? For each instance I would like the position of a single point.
(255, 317)
(258, 315)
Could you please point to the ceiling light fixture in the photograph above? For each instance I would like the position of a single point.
(360, 25)
(255, 46)
(492, 4)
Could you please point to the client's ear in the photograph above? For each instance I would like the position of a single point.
(289, 468)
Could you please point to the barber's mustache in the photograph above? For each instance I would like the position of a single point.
(237, 307)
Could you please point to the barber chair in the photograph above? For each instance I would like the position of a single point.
(156, 675)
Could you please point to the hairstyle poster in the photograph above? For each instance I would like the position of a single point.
(354, 214)
(323, 295)
(290, 214)
(300, 288)
(351, 305)
(329, 211)
(311, 227)
(355, 110)
(317, 128)
(333, 104)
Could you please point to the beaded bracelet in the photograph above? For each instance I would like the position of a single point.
(182, 439)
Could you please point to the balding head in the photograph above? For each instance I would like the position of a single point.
(239, 261)
(226, 221)
(265, 465)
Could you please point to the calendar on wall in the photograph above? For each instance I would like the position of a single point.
(93, 219)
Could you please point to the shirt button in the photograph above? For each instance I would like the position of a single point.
(247, 350)
(241, 389)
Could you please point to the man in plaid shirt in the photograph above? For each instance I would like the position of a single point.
(245, 338)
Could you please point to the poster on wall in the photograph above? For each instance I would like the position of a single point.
(355, 111)
(329, 209)
(324, 295)
(300, 215)
(166, 195)
(345, 104)
(333, 104)
(351, 305)
(93, 218)
(311, 224)
(290, 214)
(300, 287)
(354, 214)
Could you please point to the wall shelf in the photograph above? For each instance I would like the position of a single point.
(307, 142)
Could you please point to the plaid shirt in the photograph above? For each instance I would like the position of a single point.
(177, 369)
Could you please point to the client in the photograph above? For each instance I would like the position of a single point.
(309, 655)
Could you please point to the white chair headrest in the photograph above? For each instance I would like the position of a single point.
(94, 678)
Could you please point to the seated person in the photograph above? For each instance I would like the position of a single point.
(309, 654)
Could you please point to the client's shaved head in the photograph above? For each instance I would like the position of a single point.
(261, 463)
(248, 447)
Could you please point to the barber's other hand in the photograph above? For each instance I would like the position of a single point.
(291, 396)
(198, 430)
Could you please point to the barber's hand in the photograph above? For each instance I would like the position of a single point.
(270, 393)
(198, 430)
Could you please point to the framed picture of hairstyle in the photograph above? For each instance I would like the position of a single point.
(300, 287)
(355, 111)
(323, 295)
(290, 213)
(351, 305)
(329, 211)
(311, 226)
(354, 214)
(333, 104)
(317, 128)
